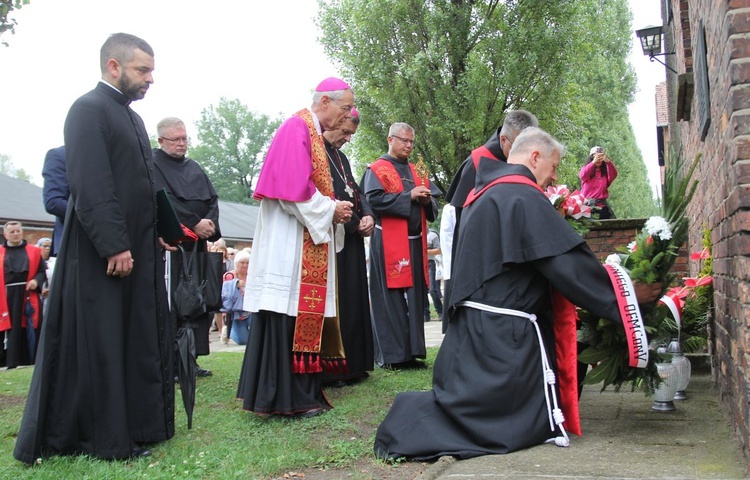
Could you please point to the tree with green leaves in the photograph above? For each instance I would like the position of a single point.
(453, 68)
(232, 143)
(8, 24)
(8, 168)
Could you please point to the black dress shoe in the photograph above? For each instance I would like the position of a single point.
(310, 413)
(202, 372)
(139, 452)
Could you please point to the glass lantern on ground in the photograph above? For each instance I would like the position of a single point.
(664, 392)
(681, 362)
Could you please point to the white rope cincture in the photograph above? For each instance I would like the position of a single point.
(554, 414)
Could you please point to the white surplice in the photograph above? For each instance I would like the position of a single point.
(273, 276)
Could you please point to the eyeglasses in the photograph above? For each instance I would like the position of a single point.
(345, 108)
(177, 139)
(405, 140)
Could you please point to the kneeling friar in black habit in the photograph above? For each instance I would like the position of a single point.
(491, 388)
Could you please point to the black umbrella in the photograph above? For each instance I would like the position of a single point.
(187, 367)
(187, 303)
(30, 333)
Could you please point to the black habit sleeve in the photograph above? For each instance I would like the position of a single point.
(582, 279)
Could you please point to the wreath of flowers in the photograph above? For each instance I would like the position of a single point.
(572, 206)
(648, 259)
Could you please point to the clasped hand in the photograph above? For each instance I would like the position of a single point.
(205, 228)
(366, 226)
(343, 211)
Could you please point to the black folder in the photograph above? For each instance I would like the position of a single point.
(167, 222)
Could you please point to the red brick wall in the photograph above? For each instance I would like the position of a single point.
(603, 240)
(722, 201)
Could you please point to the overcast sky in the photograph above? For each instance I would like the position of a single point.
(265, 54)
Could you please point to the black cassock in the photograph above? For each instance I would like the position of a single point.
(103, 381)
(351, 266)
(461, 185)
(193, 197)
(487, 395)
(397, 313)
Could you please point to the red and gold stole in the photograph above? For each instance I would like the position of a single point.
(314, 335)
(396, 229)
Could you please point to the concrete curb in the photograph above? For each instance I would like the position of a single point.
(437, 469)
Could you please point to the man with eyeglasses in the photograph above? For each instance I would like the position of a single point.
(197, 206)
(496, 148)
(291, 280)
(402, 199)
(103, 384)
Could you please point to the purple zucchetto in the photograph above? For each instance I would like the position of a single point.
(355, 112)
(331, 84)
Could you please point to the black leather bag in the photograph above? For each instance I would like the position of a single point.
(188, 301)
(208, 268)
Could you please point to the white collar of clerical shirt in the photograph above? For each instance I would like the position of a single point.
(110, 85)
(317, 123)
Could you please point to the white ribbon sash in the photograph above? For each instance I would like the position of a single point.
(635, 330)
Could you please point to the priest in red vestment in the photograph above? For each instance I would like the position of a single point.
(22, 274)
(402, 199)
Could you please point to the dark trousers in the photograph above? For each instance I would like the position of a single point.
(435, 292)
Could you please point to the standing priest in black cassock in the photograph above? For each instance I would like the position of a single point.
(514, 249)
(197, 206)
(351, 266)
(103, 384)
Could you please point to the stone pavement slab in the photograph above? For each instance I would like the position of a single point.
(624, 439)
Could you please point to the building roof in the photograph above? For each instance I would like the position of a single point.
(22, 201)
(237, 220)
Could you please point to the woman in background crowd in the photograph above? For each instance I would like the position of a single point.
(596, 177)
(237, 320)
(45, 245)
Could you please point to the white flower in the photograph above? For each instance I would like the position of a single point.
(631, 246)
(658, 227)
(613, 259)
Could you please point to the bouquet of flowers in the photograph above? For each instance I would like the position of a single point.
(572, 206)
(648, 259)
(691, 305)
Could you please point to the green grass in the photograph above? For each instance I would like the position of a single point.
(225, 441)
